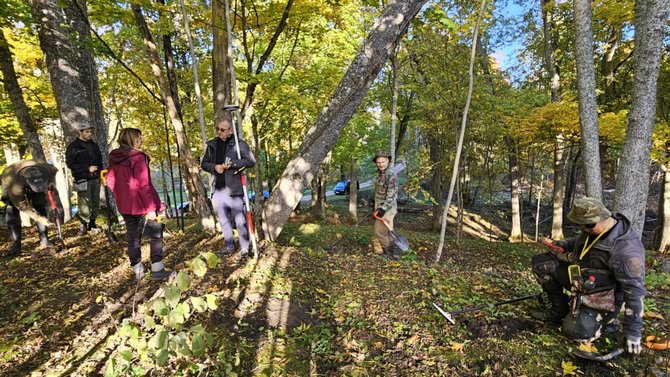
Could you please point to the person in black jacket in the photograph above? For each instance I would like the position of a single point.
(221, 161)
(84, 159)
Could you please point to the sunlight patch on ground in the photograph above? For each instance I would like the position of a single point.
(309, 228)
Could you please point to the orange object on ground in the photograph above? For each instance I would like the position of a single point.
(655, 343)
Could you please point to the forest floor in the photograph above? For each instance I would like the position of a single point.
(301, 309)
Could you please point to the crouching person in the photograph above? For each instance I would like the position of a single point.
(25, 188)
(129, 179)
(604, 269)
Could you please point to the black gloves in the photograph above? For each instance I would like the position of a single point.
(379, 212)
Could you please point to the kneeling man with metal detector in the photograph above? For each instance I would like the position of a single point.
(603, 268)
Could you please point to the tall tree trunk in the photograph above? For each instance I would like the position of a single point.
(632, 185)
(21, 110)
(196, 189)
(662, 234)
(549, 48)
(571, 181)
(321, 138)
(461, 136)
(77, 13)
(558, 191)
(63, 62)
(436, 180)
(394, 101)
(220, 67)
(353, 191)
(586, 82)
(516, 234)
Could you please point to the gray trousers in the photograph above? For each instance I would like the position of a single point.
(227, 207)
(89, 202)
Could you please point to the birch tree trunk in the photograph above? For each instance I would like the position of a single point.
(558, 192)
(196, 189)
(632, 185)
(662, 234)
(461, 136)
(13, 89)
(353, 191)
(321, 138)
(586, 82)
(516, 234)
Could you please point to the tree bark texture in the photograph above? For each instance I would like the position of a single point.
(77, 15)
(196, 189)
(13, 89)
(632, 185)
(220, 67)
(62, 58)
(586, 82)
(321, 138)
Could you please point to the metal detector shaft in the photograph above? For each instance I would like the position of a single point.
(449, 315)
(236, 108)
(353, 227)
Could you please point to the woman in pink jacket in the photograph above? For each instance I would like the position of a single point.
(137, 200)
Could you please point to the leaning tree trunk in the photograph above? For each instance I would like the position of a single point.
(196, 189)
(436, 179)
(13, 90)
(586, 82)
(63, 63)
(321, 138)
(632, 184)
(662, 234)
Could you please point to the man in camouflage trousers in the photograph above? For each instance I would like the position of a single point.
(611, 273)
(386, 194)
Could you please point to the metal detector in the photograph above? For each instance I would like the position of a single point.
(57, 214)
(594, 356)
(450, 318)
(236, 108)
(352, 228)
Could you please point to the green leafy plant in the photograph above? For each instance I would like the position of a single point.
(161, 334)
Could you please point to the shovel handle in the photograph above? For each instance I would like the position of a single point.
(103, 176)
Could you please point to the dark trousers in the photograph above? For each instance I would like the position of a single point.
(40, 204)
(89, 202)
(227, 206)
(136, 226)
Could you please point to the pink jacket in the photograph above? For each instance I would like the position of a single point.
(130, 181)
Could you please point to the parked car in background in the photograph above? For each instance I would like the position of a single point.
(252, 195)
(343, 187)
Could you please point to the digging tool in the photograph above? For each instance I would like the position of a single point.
(57, 212)
(352, 228)
(111, 237)
(449, 315)
(593, 356)
(398, 240)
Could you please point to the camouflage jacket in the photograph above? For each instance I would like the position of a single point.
(621, 252)
(13, 185)
(386, 189)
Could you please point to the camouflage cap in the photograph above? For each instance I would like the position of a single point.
(381, 154)
(588, 211)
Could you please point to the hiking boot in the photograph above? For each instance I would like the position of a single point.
(158, 272)
(138, 270)
(15, 250)
(46, 244)
(83, 229)
(244, 255)
(556, 309)
(228, 250)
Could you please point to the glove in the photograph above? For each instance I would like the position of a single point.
(380, 212)
(633, 343)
